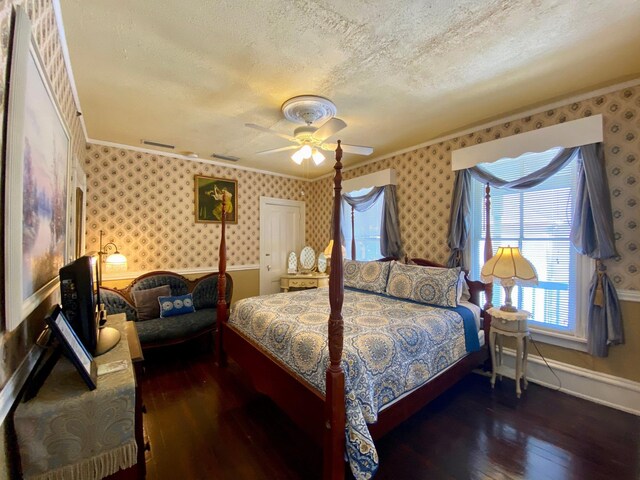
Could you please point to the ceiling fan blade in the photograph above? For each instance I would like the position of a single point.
(329, 128)
(268, 130)
(357, 149)
(281, 149)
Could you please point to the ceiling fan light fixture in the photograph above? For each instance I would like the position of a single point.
(306, 151)
(318, 157)
(298, 157)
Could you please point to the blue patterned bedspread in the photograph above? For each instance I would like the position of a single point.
(391, 347)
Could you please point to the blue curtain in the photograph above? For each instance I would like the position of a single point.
(591, 231)
(390, 242)
(592, 234)
(459, 219)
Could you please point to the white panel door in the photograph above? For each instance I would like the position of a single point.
(281, 231)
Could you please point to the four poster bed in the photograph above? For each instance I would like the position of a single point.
(281, 342)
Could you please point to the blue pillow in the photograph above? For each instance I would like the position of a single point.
(176, 305)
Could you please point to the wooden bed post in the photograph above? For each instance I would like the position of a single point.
(334, 440)
(221, 308)
(353, 233)
(488, 247)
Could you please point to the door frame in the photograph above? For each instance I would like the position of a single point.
(264, 201)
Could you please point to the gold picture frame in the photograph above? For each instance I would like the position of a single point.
(209, 192)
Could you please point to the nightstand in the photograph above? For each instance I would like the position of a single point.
(509, 324)
(304, 280)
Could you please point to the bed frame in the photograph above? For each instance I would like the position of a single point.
(323, 418)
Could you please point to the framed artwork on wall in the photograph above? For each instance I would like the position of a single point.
(37, 179)
(76, 244)
(209, 195)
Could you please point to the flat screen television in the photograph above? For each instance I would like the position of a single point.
(80, 293)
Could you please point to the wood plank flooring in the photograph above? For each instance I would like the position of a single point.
(205, 423)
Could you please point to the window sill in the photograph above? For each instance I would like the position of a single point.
(559, 339)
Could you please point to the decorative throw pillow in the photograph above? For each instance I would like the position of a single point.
(170, 306)
(146, 301)
(371, 276)
(435, 286)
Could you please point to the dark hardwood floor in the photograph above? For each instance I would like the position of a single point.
(205, 423)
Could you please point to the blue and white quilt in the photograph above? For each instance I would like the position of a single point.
(391, 347)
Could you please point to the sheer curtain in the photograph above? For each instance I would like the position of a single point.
(591, 231)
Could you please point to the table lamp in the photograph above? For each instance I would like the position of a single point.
(508, 267)
(327, 251)
(109, 255)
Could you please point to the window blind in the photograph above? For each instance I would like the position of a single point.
(538, 221)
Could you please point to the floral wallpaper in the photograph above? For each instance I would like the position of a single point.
(145, 204)
(425, 181)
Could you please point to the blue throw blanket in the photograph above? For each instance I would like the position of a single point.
(391, 347)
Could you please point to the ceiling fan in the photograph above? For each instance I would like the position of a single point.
(308, 139)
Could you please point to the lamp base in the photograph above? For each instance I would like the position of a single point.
(508, 306)
(107, 339)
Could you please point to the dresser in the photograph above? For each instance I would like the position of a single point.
(70, 432)
(304, 280)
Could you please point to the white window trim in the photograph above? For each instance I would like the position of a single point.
(585, 267)
(584, 270)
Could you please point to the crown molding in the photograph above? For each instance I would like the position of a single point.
(191, 159)
(516, 116)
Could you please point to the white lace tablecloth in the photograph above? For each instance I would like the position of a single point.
(513, 316)
(70, 432)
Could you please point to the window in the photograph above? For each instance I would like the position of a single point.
(367, 228)
(538, 221)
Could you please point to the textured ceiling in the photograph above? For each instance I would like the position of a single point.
(191, 73)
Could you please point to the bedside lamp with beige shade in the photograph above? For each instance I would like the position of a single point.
(508, 267)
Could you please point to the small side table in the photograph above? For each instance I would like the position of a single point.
(304, 280)
(509, 324)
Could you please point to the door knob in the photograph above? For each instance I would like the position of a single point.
(268, 268)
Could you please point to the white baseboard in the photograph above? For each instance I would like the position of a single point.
(615, 392)
(10, 391)
(182, 271)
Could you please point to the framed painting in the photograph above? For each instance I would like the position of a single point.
(209, 195)
(37, 179)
